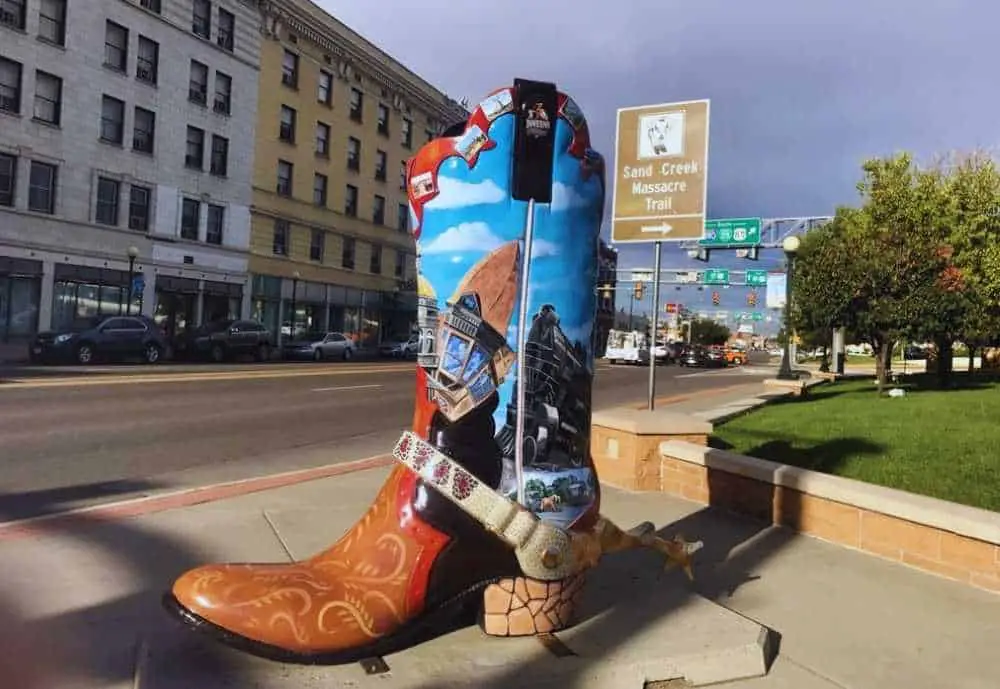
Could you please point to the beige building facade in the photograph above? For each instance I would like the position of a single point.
(337, 120)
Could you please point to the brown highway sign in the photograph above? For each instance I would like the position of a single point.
(661, 172)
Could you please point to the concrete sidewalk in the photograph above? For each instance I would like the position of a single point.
(81, 601)
(87, 600)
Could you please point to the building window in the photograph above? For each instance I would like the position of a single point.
(285, 171)
(357, 105)
(112, 120)
(347, 253)
(381, 162)
(400, 269)
(42, 188)
(286, 130)
(383, 120)
(143, 130)
(52, 21)
(378, 210)
(225, 36)
(108, 192)
(138, 208)
(216, 221)
(198, 83)
(353, 154)
(147, 60)
(190, 219)
(223, 93)
(13, 13)
(48, 98)
(406, 134)
(10, 86)
(322, 140)
(219, 164)
(317, 244)
(351, 201)
(375, 261)
(319, 189)
(151, 5)
(194, 152)
(290, 70)
(403, 218)
(201, 18)
(402, 176)
(279, 241)
(324, 89)
(115, 46)
(429, 135)
(8, 179)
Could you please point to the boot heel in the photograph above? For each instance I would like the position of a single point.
(521, 606)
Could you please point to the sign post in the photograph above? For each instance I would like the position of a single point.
(661, 185)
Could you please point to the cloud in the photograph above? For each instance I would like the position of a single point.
(458, 194)
(540, 248)
(565, 197)
(466, 236)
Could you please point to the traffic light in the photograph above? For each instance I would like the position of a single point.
(716, 299)
(752, 299)
(639, 287)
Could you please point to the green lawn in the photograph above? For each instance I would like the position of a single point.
(942, 443)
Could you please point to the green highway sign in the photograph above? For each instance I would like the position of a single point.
(716, 276)
(731, 232)
(758, 316)
(756, 278)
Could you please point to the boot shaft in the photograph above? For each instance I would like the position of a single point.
(506, 211)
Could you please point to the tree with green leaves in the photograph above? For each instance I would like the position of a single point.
(708, 332)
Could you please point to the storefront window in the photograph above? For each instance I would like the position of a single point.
(74, 300)
(265, 312)
(370, 329)
(19, 298)
(352, 323)
(219, 307)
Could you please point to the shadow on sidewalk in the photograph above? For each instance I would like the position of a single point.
(96, 645)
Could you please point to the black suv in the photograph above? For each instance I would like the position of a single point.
(221, 340)
(109, 338)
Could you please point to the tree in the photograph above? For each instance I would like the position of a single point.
(708, 332)
(876, 269)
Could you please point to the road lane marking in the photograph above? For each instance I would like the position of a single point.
(346, 387)
(208, 376)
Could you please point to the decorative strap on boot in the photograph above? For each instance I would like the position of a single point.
(543, 551)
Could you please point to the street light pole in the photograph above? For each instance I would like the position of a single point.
(790, 246)
(133, 253)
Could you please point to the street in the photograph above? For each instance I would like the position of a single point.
(73, 437)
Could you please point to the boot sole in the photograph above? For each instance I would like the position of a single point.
(442, 619)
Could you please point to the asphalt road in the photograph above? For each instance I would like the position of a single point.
(73, 437)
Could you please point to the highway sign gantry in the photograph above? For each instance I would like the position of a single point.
(732, 233)
(661, 173)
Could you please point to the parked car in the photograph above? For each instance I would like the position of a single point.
(226, 339)
(399, 349)
(107, 338)
(320, 346)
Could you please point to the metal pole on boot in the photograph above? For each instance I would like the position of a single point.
(522, 339)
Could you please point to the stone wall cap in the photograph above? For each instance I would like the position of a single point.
(963, 520)
(655, 422)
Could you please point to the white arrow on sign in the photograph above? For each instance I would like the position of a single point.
(658, 229)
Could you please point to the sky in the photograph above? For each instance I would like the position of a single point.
(802, 92)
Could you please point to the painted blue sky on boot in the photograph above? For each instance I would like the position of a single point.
(474, 214)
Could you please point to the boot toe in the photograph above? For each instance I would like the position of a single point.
(268, 604)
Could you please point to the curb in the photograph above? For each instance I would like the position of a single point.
(124, 509)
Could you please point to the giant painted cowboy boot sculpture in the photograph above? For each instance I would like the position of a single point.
(493, 502)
